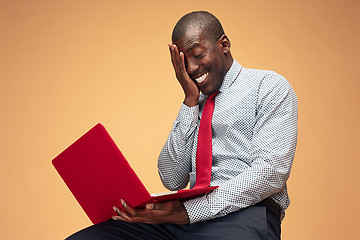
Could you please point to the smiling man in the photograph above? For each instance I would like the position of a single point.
(252, 134)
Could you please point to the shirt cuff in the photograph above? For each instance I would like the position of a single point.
(188, 116)
(198, 209)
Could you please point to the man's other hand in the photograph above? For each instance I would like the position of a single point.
(191, 91)
(154, 213)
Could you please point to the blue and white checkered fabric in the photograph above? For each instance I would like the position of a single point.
(254, 139)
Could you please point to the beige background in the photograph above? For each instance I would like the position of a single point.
(67, 65)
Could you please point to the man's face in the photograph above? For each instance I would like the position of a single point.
(204, 60)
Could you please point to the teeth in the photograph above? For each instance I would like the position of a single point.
(202, 77)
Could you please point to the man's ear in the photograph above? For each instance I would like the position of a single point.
(225, 43)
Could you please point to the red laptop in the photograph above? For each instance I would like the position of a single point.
(98, 176)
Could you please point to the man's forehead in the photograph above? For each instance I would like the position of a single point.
(193, 38)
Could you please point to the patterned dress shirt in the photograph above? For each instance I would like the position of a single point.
(254, 139)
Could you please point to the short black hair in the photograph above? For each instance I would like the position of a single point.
(205, 21)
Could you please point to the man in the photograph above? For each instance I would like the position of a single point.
(254, 130)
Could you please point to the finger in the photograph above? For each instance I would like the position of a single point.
(128, 208)
(121, 214)
(182, 63)
(133, 219)
(174, 56)
(146, 216)
(116, 210)
(171, 51)
(180, 59)
(118, 218)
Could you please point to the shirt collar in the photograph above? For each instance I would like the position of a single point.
(230, 76)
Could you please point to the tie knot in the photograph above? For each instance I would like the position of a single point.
(212, 96)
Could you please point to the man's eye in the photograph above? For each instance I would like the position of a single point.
(198, 56)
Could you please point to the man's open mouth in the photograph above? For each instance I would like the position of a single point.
(202, 77)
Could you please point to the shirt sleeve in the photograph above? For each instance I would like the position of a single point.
(272, 151)
(174, 163)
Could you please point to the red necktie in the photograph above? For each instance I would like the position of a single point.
(204, 146)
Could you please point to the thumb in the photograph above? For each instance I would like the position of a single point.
(150, 206)
(156, 206)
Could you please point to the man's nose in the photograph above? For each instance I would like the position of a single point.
(191, 67)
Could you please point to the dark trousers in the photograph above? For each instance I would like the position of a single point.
(256, 222)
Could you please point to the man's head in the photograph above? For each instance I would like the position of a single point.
(200, 36)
